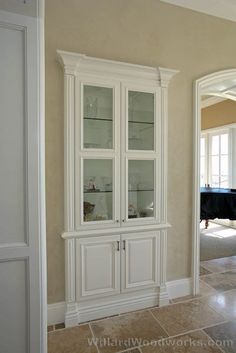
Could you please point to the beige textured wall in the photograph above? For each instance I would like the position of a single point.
(219, 114)
(144, 32)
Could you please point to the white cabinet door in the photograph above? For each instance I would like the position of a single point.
(98, 266)
(140, 260)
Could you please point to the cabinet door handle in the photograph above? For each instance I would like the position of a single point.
(124, 245)
(118, 245)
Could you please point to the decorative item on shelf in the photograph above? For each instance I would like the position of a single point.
(88, 211)
(90, 186)
(147, 211)
(132, 212)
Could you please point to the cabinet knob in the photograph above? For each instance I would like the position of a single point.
(123, 220)
(117, 221)
(118, 246)
(124, 245)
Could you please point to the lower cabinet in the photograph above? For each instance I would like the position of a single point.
(139, 264)
(97, 266)
(107, 265)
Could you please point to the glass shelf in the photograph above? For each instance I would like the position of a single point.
(96, 191)
(141, 122)
(98, 119)
(141, 190)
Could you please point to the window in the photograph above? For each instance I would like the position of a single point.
(203, 169)
(215, 159)
(219, 160)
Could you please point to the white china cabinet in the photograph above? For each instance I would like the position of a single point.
(115, 186)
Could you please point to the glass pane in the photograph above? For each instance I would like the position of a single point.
(140, 189)
(224, 181)
(224, 165)
(215, 145)
(224, 144)
(98, 117)
(202, 180)
(202, 146)
(141, 121)
(98, 190)
(215, 165)
(202, 167)
(215, 182)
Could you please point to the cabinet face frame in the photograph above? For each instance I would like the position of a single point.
(81, 245)
(126, 286)
(82, 153)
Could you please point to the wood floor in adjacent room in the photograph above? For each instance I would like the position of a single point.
(202, 324)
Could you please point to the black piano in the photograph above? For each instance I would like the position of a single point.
(218, 203)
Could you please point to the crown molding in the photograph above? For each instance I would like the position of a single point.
(74, 63)
(225, 9)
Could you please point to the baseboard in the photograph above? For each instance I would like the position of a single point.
(179, 288)
(56, 313)
(88, 311)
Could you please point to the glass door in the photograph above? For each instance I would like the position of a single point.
(98, 118)
(141, 121)
(140, 154)
(98, 190)
(141, 201)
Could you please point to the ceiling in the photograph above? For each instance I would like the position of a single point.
(216, 93)
(225, 89)
(219, 8)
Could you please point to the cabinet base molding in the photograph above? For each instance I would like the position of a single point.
(78, 313)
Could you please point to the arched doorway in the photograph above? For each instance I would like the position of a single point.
(200, 87)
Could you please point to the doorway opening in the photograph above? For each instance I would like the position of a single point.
(212, 156)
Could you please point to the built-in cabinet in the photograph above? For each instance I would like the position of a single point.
(115, 184)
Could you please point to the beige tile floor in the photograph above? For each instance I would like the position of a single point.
(202, 324)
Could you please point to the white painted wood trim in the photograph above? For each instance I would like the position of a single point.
(69, 116)
(35, 251)
(199, 85)
(111, 231)
(75, 62)
(117, 305)
(179, 288)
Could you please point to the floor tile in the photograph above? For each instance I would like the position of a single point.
(183, 317)
(220, 265)
(205, 289)
(223, 303)
(119, 333)
(71, 340)
(204, 271)
(221, 281)
(224, 335)
(195, 342)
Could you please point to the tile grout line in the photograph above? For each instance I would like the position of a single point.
(91, 330)
(159, 323)
(194, 330)
(209, 337)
